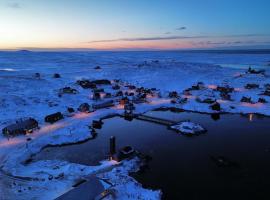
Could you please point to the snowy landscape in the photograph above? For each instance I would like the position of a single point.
(37, 84)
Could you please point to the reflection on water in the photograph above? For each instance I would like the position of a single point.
(182, 166)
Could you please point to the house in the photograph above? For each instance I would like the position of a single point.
(254, 71)
(102, 82)
(20, 127)
(129, 107)
(37, 75)
(68, 90)
(96, 96)
(115, 87)
(98, 90)
(56, 75)
(86, 84)
(123, 101)
(97, 67)
(54, 117)
(104, 104)
(85, 107)
(119, 93)
(140, 98)
(107, 95)
(70, 110)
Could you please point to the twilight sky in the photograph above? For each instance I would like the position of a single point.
(134, 24)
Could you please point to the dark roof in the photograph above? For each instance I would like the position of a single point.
(22, 124)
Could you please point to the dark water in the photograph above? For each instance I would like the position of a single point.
(182, 166)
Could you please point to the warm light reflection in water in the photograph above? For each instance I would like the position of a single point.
(250, 117)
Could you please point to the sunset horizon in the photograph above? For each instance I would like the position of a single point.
(107, 25)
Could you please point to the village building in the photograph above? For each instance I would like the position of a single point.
(107, 95)
(97, 67)
(104, 104)
(68, 90)
(85, 107)
(96, 96)
(56, 75)
(23, 126)
(86, 84)
(251, 86)
(119, 93)
(123, 101)
(52, 118)
(115, 87)
(70, 110)
(102, 82)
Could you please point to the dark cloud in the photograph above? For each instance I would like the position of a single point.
(14, 5)
(228, 43)
(247, 35)
(148, 38)
(181, 28)
(182, 37)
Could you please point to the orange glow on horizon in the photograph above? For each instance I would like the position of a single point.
(47, 44)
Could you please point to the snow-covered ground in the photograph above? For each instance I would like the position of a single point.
(24, 95)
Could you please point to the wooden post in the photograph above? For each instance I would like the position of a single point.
(112, 146)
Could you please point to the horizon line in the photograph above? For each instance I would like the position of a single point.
(229, 48)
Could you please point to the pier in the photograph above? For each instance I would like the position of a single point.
(157, 120)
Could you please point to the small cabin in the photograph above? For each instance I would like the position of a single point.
(86, 84)
(85, 107)
(124, 101)
(104, 104)
(70, 110)
(119, 93)
(54, 117)
(96, 96)
(115, 87)
(97, 67)
(68, 90)
(21, 127)
(56, 75)
(108, 95)
(102, 82)
(129, 107)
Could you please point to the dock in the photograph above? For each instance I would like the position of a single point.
(157, 120)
